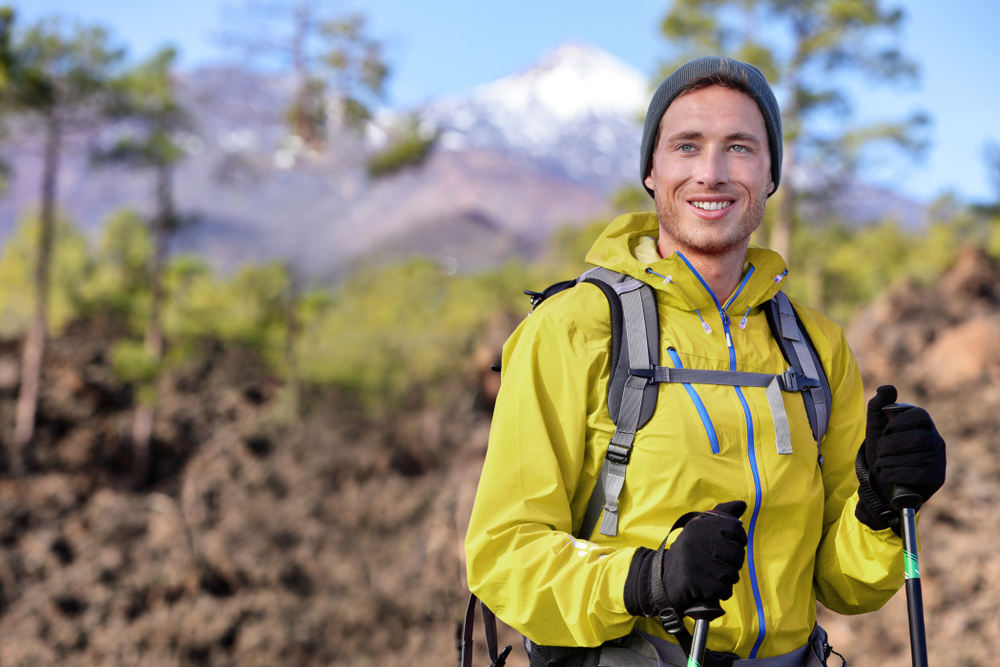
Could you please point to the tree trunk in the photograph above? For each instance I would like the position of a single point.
(164, 227)
(34, 343)
(816, 282)
(291, 341)
(142, 435)
(781, 231)
(142, 427)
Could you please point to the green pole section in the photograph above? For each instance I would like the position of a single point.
(911, 565)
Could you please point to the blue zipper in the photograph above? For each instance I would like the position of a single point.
(754, 585)
(751, 561)
(696, 399)
(739, 289)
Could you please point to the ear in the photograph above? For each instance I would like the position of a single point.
(649, 182)
(770, 186)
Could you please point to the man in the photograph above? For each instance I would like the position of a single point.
(711, 156)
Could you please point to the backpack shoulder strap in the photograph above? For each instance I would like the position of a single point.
(801, 354)
(635, 346)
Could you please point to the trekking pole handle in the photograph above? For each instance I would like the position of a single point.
(902, 496)
(705, 612)
(702, 615)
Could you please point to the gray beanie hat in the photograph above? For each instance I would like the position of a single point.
(708, 66)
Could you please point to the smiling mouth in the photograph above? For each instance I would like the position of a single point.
(711, 205)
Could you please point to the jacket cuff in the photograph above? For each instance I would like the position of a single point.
(863, 514)
(639, 584)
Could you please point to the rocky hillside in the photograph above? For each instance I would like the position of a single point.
(941, 349)
(336, 539)
(256, 541)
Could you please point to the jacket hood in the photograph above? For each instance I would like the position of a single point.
(674, 278)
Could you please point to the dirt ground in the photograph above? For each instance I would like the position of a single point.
(336, 539)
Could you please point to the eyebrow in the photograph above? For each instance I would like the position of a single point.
(743, 136)
(735, 136)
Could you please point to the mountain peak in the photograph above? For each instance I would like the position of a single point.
(571, 81)
(577, 109)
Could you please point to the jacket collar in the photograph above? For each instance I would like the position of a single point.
(677, 282)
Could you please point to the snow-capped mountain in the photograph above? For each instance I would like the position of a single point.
(578, 110)
(515, 159)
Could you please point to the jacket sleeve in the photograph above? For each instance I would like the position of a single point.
(857, 569)
(522, 559)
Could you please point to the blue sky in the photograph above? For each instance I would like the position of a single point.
(443, 46)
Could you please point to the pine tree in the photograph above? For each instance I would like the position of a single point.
(59, 76)
(335, 64)
(144, 100)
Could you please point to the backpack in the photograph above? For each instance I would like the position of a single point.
(632, 395)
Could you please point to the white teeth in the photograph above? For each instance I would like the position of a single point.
(711, 205)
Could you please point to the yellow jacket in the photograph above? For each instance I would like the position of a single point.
(550, 433)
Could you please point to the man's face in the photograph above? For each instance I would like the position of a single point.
(711, 172)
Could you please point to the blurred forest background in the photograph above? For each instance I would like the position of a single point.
(260, 445)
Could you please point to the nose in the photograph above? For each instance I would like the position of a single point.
(712, 170)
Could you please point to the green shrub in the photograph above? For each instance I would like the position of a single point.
(130, 362)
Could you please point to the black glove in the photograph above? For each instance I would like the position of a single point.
(700, 567)
(907, 451)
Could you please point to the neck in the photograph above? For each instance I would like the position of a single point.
(722, 272)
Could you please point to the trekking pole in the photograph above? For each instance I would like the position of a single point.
(702, 615)
(907, 501)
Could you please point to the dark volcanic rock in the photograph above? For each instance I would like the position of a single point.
(258, 540)
(337, 539)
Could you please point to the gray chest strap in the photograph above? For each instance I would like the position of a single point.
(636, 374)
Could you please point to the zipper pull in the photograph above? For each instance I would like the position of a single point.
(704, 324)
(666, 279)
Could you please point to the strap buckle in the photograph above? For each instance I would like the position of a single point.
(535, 297)
(618, 454)
(671, 621)
(792, 381)
(647, 373)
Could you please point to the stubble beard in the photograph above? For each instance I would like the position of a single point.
(703, 238)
